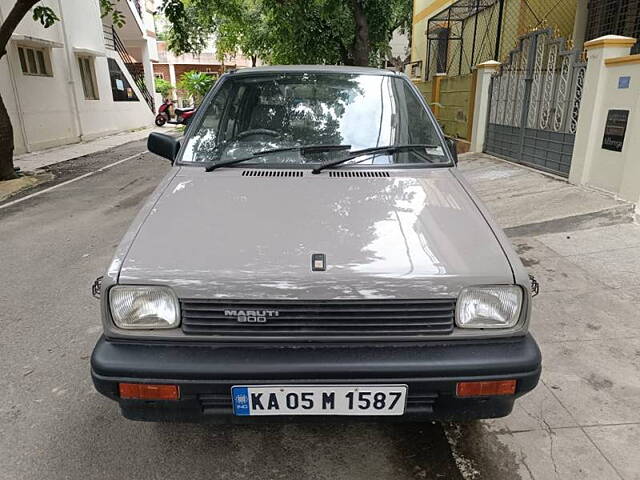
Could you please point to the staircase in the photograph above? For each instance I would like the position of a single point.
(136, 69)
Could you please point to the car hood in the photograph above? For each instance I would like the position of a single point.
(227, 234)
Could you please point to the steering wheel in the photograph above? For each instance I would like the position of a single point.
(258, 131)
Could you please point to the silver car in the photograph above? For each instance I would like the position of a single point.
(314, 251)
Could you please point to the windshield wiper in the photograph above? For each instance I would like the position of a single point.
(303, 149)
(371, 151)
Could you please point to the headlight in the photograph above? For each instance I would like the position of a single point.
(489, 307)
(144, 308)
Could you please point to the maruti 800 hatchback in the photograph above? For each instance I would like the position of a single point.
(314, 251)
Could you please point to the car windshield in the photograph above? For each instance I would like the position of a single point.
(255, 113)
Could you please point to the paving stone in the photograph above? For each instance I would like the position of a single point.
(599, 314)
(564, 454)
(615, 268)
(514, 210)
(597, 381)
(595, 240)
(537, 410)
(621, 445)
(557, 274)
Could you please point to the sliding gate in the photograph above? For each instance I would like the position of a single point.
(534, 103)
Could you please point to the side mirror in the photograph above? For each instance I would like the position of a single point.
(164, 145)
(453, 148)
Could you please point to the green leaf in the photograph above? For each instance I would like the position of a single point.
(196, 84)
(45, 15)
(107, 7)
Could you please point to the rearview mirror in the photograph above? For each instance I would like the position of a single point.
(164, 145)
(453, 148)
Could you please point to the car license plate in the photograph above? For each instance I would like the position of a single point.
(382, 400)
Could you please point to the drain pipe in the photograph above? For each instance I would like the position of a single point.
(70, 81)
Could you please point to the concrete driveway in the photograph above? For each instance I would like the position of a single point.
(582, 421)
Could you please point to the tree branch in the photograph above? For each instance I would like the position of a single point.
(17, 13)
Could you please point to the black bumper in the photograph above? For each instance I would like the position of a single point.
(205, 374)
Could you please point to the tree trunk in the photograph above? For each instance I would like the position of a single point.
(344, 53)
(17, 13)
(361, 41)
(254, 60)
(7, 171)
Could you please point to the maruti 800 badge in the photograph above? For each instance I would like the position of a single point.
(251, 316)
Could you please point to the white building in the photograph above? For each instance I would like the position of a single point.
(80, 78)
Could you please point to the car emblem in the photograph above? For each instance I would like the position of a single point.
(318, 262)
(252, 316)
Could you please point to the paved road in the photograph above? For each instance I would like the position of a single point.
(53, 424)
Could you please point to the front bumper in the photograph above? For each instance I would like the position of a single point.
(205, 374)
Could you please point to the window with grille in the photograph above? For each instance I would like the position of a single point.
(88, 75)
(34, 61)
(614, 17)
(442, 50)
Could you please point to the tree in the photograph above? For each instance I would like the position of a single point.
(47, 17)
(163, 87)
(289, 31)
(196, 84)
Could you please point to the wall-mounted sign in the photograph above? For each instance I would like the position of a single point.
(624, 82)
(615, 129)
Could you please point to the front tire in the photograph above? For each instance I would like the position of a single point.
(161, 120)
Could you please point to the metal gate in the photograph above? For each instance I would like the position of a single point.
(534, 103)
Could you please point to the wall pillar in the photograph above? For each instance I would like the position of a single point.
(580, 24)
(149, 78)
(435, 93)
(593, 107)
(172, 80)
(481, 104)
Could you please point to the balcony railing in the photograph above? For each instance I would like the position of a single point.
(136, 69)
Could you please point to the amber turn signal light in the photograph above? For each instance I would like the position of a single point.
(145, 391)
(485, 389)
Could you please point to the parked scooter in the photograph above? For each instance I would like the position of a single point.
(182, 115)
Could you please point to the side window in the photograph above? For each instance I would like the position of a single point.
(35, 61)
(234, 113)
(203, 144)
(88, 76)
(216, 109)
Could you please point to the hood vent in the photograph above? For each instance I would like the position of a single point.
(364, 173)
(272, 173)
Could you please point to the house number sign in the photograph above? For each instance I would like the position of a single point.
(615, 129)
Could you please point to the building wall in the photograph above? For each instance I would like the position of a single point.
(52, 110)
(182, 68)
(455, 95)
(519, 16)
(41, 104)
(162, 69)
(422, 11)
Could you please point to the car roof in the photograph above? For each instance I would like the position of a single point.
(314, 69)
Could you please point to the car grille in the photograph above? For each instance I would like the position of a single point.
(308, 320)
